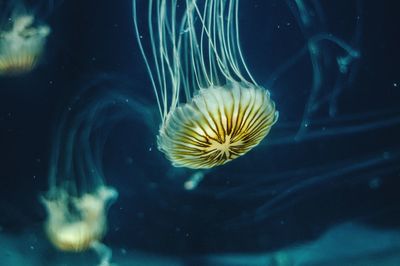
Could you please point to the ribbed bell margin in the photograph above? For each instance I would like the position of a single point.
(219, 124)
(16, 64)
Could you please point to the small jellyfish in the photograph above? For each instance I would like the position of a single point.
(78, 197)
(212, 109)
(22, 40)
(77, 223)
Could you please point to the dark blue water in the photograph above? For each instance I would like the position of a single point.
(343, 168)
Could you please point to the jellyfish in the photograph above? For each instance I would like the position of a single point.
(335, 133)
(22, 39)
(77, 223)
(78, 197)
(212, 109)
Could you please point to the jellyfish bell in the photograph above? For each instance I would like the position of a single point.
(78, 197)
(22, 41)
(196, 55)
(218, 125)
(76, 223)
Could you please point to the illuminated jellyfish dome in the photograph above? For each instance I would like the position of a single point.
(78, 197)
(76, 223)
(212, 110)
(22, 41)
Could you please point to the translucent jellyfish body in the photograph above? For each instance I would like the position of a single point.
(217, 126)
(77, 223)
(78, 197)
(195, 55)
(21, 44)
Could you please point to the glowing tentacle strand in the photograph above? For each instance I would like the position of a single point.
(195, 55)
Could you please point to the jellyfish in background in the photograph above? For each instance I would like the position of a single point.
(76, 223)
(78, 197)
(212, 109)
(22, 39)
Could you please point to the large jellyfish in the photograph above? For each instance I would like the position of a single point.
(212, 109)
(22, 38)
(336, 132)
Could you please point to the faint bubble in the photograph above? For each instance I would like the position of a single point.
(375, 183)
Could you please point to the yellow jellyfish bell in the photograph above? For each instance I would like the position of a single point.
(22, 45)
(212, 109)
(78, 197)
(75, 223)
(217, 126)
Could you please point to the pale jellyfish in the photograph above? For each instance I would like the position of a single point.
(22, 39)
(78, 197)
(212, 109)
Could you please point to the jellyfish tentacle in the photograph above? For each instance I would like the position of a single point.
(104, 253)
(197, 55)
(149, 71)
